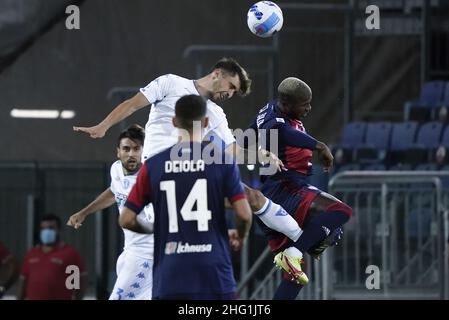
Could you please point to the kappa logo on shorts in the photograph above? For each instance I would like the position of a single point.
(135, 285)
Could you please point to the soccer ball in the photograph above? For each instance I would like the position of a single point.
(265, 18)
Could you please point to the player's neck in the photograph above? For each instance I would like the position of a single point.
(203, 87)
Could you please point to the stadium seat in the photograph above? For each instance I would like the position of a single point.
(402, 139)
(403, 135)
(352, 137)
(432, 96)
(376, 142)
(427, 140)
(429, 135)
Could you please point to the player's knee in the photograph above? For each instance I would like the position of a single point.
(341, 207)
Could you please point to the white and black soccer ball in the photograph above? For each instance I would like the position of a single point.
(265, 19)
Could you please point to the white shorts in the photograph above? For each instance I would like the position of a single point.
(134, 278)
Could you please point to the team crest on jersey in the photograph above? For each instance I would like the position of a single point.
(280, 120)
(125, 183)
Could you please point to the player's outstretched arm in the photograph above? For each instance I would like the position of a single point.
(122, 111)
(104, 200)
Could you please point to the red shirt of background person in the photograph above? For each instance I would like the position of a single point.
(8, 269)
(43, 275)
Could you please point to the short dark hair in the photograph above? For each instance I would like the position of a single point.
(52, 217)
(189, 108)
(232, 67)
(134, 132)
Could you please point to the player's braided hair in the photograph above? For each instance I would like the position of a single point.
(232, 67)
(134, 132)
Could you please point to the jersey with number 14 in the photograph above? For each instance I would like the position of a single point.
(192, 253)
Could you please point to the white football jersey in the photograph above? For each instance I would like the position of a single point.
(140, 244)
(160, 133)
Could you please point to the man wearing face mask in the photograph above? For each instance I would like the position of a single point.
(43, 275)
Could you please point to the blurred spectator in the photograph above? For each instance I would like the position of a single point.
(440, 156)
(442, 114)
(45, 274)
(8, 270)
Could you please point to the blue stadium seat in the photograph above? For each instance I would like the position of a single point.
(376, 142)
(432, 96)
(429, 135)
(432, 93)
(352, 137)
(403, 135)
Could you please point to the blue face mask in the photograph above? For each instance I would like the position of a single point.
(48, 236)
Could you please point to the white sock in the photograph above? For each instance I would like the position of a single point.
(276, 218)
(293, 252)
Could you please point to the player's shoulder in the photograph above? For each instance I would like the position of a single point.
(116, 168)
(270, 117)
(214, 111)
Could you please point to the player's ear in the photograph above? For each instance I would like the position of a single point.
(118, 152)
(204, 122)
(175, 123)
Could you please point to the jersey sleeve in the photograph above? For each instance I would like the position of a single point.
(157, 89)
(295, 138)
(233, 188)
(140, 194)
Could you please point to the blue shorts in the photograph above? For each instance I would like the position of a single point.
(295, 196)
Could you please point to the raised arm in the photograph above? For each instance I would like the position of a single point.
(104, 200)
(122, 111)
